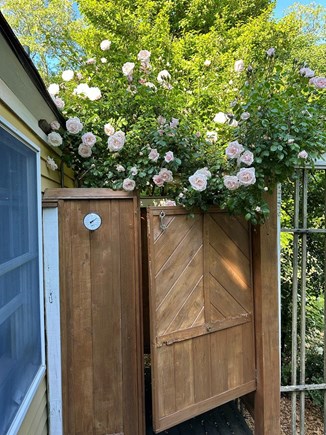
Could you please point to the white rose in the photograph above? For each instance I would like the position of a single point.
(231, 182)
(109, 129)
(303, 154)
(51, 164)
(244, 116)
(94, 93)
(53, 89)
(247, 158)
(128, 185)
(128, 68)
(234, 123)
(166, 175)
(163, 76)
(234, 150)
(55, 125)
(153, 155)
(270, 52)
(116, 141)
(104, 60)
(239, 65)
(67, 75)
(84, 150)
(169, 157)
(198, 182)
(81, 89)
(220, 118)
(207, 62)
(120, 168)
(54, 139)
(150, 85)
(105, 45)
(91, 61)
(307, 72)
(203, 171)
(74, 125)
(59, 102)
(246, 176)
(88, 139)
(133, 171)
(144, 56)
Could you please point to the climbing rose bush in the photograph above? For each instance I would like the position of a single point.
(129, 127)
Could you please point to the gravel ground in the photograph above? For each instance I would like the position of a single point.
(313, 418)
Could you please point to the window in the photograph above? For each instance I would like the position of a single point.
(21, 356)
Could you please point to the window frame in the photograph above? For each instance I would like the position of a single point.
(33, 388)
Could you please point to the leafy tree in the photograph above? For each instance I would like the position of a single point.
(49, 28)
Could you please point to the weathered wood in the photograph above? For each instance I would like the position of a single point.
(200, 301)
(85, 193)
(265, 264)
(102, 345)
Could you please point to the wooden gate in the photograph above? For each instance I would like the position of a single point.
(101, 339)
(201, 309)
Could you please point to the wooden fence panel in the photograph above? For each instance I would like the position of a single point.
(201, 313)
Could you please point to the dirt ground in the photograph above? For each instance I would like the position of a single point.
(313, 418)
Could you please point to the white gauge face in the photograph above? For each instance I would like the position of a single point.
(92, 221)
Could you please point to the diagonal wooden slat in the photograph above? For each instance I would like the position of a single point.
(236, 229)
(164, 246)
(189, 311)
(223, 301)
(230, 277)
(215, 315)
(177, 295)
(227, 247)
(178, 261)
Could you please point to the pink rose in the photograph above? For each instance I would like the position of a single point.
(198, 182)
(128, 185)
(203, 171)
(153, 155)
(91, 61)
(174, 123)
(318, 82)
(234, 150)
(270, 52)
(55, 125)
(231, 182)
(239, 65)
(144, 56)
(247, 158)
(109, 129)
(128, 68)
(54, 139)
(88, 139)
(166, 175)
(307, 72)
(51, 164)
(303, 154)
(116, 141)
(246, 176)
(59, 103)
(169, 157)
(84, 150)
(158, 180)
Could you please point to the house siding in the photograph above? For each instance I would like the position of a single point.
(50, 179)
(36, 419)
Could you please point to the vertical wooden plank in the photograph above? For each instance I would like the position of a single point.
(235, 356)
(66, 321)
(165, 382)
(132, 348)
(219, 362)
(106, 319)
(202, 374)
(184, 376)
(52, 318)
(265, 260)
(81, 313)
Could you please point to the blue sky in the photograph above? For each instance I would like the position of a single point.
(282, 5)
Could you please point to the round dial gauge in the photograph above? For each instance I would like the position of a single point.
(92, 221)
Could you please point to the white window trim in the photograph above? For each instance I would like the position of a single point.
(24, 407)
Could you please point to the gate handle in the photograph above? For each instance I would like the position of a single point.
(163, 226)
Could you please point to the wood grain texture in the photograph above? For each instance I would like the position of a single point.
(201, 313)
(265, 265)
(100, 318)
